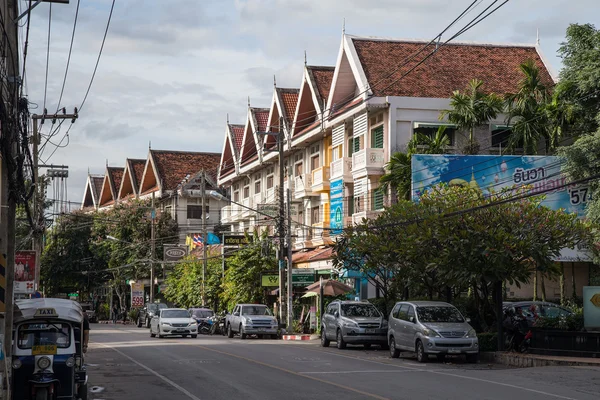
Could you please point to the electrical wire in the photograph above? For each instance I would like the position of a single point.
(68, 57)
(47, 55)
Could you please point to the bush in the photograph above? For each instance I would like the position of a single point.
(572, 322)
(133, 314)
(488, 341)
(103, 312)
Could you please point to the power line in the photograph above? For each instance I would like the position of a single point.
(69, 57)
(47, 54)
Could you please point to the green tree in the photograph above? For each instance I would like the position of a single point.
(242, 282)
(472, 108)
(579, 84)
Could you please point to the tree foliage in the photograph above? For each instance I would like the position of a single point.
(455, 237)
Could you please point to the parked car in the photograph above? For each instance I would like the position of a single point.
(201, 314)
(534, 309)
(431, 327)
(251, 319)
(173, 322)
(147, 312)
(89, 310)
(353, 322)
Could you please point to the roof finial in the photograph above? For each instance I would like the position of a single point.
(227, 118)
(344, 27)
(274, 81)
(88, 170)
(305, 58)
(149, 144)
(248, 101)
(537, 40)
(107, 162)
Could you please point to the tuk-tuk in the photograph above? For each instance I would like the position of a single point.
(47, 359)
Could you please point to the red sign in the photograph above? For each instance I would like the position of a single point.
(25, 266)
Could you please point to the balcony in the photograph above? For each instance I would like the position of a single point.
(235, 214)
(270, 195)
(321, 231)
(257, 199)
(303, 238)
(226, 215)
(368, 162)
(357, 218)
(303, 186)
(320, 179)
(248, 203)
(342, 168)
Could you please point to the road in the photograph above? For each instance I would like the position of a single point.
(125, 363)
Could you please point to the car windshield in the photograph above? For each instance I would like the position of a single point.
(202, 313)
(256, 310)
(439, 314)
(359, 310)
(44, 334)
(174, 314)
(154, 307)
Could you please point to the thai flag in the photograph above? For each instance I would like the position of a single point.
(197, 239)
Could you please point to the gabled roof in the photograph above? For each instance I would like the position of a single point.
(284, 104)
(229, 156)
(132, 175)
(91, 194)
(110, 186)
(166, 169)
(378, 67)
(237, 132)
(314, 90)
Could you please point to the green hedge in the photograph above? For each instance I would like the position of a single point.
(488, 341)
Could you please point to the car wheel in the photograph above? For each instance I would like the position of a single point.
(394, 352)
(275, 337)
(242, 334)
(441, 357)
(340, 340)
(420, 350)
(139, 323)
(184, 336)
(194, 336)
(152, 334)
(147, 323)
(367, 345)
(472, 358)
(324, 340)
(229, 332)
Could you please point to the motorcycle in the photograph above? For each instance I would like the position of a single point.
(518, 334)
(204, 326)
(217, 325)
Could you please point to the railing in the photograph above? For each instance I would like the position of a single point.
(341, 168)
(226, 214)
(368, 158)
(270, 194)
(247, 203)
(357, 217)
(303, 185)
(320, 177)
(565, 343)
(321, 228)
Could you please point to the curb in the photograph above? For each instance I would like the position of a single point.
(296, 337)
(534, 360)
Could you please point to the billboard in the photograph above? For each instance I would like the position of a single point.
(336, 195)
(174, 252)
(491, 173)
(137, 295)
(25, 271)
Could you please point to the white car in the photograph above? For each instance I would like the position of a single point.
(173, 322)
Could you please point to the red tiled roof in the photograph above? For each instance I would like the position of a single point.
(289, 98)
(138, 171)
(115, 175)
(323, 77)
(450, 69)
(313, 255)
(262, 118)
(173, 166)
(97, 181)
(238, 135)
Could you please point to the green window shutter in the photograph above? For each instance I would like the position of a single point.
(377, 199)
(350, 147)
(356, 144)
(377, 138)
(350, 206)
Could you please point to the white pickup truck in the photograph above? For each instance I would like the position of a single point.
(251, 319)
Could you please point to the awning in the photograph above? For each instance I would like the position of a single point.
(433, 125)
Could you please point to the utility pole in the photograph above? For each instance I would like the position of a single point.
(153, 247)
(281, 220)
(39, 196)
(290, 293)
(204, 238)
(10, 96)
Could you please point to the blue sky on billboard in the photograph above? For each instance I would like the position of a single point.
(491, 173)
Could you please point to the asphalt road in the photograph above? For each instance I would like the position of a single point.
(125, 363)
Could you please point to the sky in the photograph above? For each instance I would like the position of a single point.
(172, 71)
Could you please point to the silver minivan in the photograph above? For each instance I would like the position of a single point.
(431, 327)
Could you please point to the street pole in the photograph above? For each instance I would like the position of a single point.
(204, 238)
(10, 13)
(290, 316)
(281, 253)
(223, 255)
(153, 251)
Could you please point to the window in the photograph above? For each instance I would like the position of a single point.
(236, 196)
(439, 314)
(350, 146)
(44, 333)
(377, 199)
(430, 130)
(403, 312)
(377, 137)
(270, 180)
(358, 143)
(257, 186)
(411, 312)
(246, 192)
(360, 310)
(332, 309)
(501, 137)
(350, 206)
(194, 212)
(376, 119)
(396, 310)
(316, 215)
(298, 168)
(315, 162)
(336, 153)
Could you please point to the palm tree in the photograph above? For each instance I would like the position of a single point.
(472, 108)
(399, 169)
(533, 112)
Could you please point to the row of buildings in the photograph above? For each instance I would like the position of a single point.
(339, 128)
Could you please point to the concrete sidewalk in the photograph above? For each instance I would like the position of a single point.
(535, 360)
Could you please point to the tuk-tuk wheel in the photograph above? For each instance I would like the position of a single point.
(82, 393)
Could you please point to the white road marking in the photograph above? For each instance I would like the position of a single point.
(359, 372)
(164, 378)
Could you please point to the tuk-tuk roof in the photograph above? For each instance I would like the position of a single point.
(49, 309)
